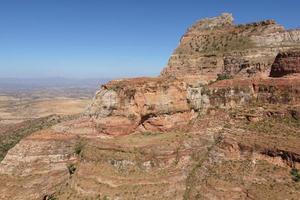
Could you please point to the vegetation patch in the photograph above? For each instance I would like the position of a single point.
(295, 175)
(275, 126)
(50, 197)
(105, 198)
(151, 133)
(221, 43)
(191, 180)
(79, 147)
(224, 77)
(71, 168)
(132, 117)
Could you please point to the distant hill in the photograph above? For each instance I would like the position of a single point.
(21, 84)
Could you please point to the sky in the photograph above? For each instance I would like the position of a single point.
(111, 38)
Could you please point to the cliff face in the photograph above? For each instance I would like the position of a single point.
(123, 106)
(187, 134)
(167, 103)
(216, 46)
(286, 63)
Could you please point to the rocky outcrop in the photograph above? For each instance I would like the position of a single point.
(216, 46)
(286, 63)
(236, 92)
(140, 97)
(211, 50)
(164, 104)
(124, 105)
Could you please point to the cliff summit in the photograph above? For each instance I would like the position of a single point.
(215, 46)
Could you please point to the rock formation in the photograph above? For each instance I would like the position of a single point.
(286, 63)
(221, 122)
(216, 46)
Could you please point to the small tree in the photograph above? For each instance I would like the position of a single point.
(71, 168)
(223, 77)
(295, 174)
(78, 147)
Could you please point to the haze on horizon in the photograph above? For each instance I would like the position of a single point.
(107, 39)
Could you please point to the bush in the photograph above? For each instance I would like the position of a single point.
(71, 168)
(78, 147)
(49, 197)
(223, 77)
(295, 174)
(105, 198)
(132, 117)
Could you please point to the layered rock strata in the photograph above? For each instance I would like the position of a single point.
(286, 63)
(163, 105)
(216, 46)
(184, 135)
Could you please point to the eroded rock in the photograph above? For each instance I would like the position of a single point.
(216, 46)
(286, 63)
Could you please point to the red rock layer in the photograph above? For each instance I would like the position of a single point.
(286, 63)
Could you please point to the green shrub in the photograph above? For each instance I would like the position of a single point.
(223, 77)
(295, 174)
(50, 197)
(147, 133)
(105, 198)
(132, 117)
(71, 168)
(79, 147)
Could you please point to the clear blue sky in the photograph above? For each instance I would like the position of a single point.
(111, 38)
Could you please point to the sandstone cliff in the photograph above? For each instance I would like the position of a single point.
(216, 46)
(286, 63)
(164, 104)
